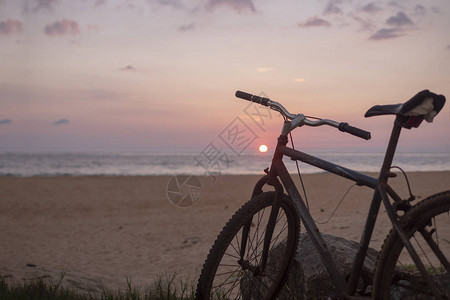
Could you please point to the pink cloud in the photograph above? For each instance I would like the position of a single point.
(10, 26)
(5, 121)
(37, 5)
(61, 122)
(332, 8)
(62, 28)
(128, 68)
(93, 27)
(238, 5)
(187, 27)
(400, 20)
(99, 2)
(386, 33)
(168, 3)
(371, 8)
(315, 22)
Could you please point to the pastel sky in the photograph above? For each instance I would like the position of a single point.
(160, 75)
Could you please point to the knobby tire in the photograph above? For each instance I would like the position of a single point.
(224, 277)
(396, 275)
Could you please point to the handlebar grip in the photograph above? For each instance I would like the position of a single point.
(252, 98)
(344, 127)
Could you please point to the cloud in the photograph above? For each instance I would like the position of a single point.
(395, 4)
(128, 68)
(315, 22)
(10, 26)
(400, 20)
(370, 8)
(386, 33)
(265, 69)
(93, 27)
(62, 28)
(420, 10)
(436, 10)
(38, 5)
(5, 121)
(366, 25)
(167, 3)
(238, 5)
(61, 122)
(99, 2)
(188, 27)
(399, 24)
(130, 5)
(332, 8)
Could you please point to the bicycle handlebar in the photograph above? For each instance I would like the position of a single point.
(252, 98)
(342, 126)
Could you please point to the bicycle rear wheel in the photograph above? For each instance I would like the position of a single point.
(227, 274)
(428, 230)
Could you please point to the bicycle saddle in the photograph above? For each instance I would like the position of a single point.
(424, 105)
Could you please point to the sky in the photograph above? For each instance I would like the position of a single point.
(160, 75)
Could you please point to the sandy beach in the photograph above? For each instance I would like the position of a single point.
(102, 230)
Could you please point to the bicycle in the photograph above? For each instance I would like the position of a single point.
(251, 257)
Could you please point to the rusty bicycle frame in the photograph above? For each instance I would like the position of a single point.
(381, 192)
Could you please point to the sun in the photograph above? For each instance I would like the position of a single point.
(263, 148)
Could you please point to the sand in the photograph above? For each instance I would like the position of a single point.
(102, 230)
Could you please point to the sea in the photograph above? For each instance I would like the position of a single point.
(25, 164)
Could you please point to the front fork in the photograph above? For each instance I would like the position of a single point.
(273, 181)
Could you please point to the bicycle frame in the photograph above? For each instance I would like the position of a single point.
(381, 192)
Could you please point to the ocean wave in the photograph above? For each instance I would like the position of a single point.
(138, 164)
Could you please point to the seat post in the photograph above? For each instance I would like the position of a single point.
(390, 151)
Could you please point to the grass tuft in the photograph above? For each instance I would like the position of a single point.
(43, 288)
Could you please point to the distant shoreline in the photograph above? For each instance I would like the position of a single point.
(371, 173)
(119, 164)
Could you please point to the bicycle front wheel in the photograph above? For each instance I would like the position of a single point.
(230, 272)
(427, 225)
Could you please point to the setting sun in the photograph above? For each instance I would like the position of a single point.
(263, 148)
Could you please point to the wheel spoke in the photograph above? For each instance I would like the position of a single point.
(232, 256)
(434, 246)
(280, 214)
(233, 269)
(224, 282)
(236, 250)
